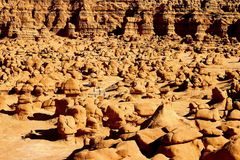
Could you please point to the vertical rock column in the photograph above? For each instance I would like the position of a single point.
(171, 27)
(132, 26)
(146, 27)
(225, 29)
(202, 27)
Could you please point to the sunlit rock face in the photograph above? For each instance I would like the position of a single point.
(73, 18)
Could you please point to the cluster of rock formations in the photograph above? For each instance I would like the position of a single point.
(74, 18)
(115, 96)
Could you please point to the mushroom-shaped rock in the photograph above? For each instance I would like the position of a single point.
(49, 85)
(24, 98)
(71, 87)
(24, 108)
(27, 88)
(79, 114)
(49, 105)
(66, 126)
(62, 105)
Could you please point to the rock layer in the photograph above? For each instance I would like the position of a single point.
(72, 18)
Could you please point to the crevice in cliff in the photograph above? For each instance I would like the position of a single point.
(56, 18)
(203, 4)
(4, 28)
(216, 29)
(51, 10)
(186, 26)
(234, 30)
(46, 20)
(141, 24)
(74, 19)
(132, 10)
(160, 24)
(33, 13)
(225, 8)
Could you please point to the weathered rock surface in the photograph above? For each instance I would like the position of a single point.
(73, 18)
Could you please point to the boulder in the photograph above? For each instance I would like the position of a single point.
(27, 88)
(186, 151)
(209, 128)
(24, 110)
(159, 157)
(100, 154)
(79, 114)
(145, 108)
(218, 95)
(129, 128)
(138, 87)
(115, 117)
(25, 98)
(230, 151)
(146, 136)
(207, 114)
(164, 116)
(106, 143)
(229, 104)
(49, 105)
(234, 115)
(71, 87)
(230, 124)
(129, 149)
(62, 106)
(180, 135)
(216, 142)
(3, 102)
(49, 84)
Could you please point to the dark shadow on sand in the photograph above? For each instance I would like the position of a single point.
(41, 117)
(49, 134)
(10, 113)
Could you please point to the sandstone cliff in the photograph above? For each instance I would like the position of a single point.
(73, 18)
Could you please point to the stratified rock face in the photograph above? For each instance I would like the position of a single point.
(71, 18)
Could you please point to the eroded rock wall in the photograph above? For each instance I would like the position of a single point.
(73, 18)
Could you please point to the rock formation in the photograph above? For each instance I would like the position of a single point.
(197, 18)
